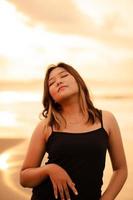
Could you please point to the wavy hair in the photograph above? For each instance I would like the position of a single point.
(52, 109)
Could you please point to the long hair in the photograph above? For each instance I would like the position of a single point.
(52, 109)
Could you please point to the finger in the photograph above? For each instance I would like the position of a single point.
(66, 191)
(72, 186)
(60, 188)
(55, 190)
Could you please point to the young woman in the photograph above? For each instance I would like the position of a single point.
(76, 136)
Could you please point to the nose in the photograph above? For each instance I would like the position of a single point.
(58, 82)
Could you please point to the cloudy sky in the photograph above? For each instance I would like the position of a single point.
(96, 37)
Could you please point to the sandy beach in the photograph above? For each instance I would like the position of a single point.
(9, 178)
(14, 150)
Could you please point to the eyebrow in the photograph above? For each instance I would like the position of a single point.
(58, 74)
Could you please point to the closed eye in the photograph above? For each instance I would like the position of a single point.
(64, 75)
(51, 83)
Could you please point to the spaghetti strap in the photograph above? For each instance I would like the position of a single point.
(101, 119)
(52, 128)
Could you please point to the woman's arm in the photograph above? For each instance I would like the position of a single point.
(118, 160)
(31, 174)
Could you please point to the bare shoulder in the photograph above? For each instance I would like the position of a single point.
(115, 143)
(40, 130)
(36, 146)
(108, 115)
(109, 121)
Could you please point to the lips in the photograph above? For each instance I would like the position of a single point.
(61, 87)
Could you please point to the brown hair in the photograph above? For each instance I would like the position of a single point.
(52, 109)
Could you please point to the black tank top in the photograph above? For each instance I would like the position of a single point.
(82, 155)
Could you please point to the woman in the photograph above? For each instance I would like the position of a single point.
(76, 136)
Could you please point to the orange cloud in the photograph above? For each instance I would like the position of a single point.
(58, 16)
(66, 18)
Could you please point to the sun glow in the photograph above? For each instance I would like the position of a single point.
(17, 39)
(14, 97)
(27, 48)
(7, 119)
(10, 26)
(4, 161)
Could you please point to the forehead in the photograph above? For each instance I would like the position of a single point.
(56, 71)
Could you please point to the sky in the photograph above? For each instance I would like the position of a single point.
(95, 37)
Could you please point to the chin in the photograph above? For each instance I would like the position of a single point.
(64, 98)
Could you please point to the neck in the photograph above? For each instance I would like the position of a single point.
(71, 110)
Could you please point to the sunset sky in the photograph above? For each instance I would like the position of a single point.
(96, 37)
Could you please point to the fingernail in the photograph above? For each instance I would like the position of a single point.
(76, 193)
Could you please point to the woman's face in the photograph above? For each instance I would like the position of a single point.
(62, 85)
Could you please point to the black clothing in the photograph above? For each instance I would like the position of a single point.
(82, 155)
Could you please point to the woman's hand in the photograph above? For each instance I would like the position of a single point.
(60, 180)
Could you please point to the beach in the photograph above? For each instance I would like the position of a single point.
(16, 148)
(94, 37)
(13, 152)
(20, 116)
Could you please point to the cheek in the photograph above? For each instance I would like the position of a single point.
(53, 92)
(76, 88)
(75, 85)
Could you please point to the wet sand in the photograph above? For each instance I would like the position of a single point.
(10, 188)
(16, 148)
(6, 144)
